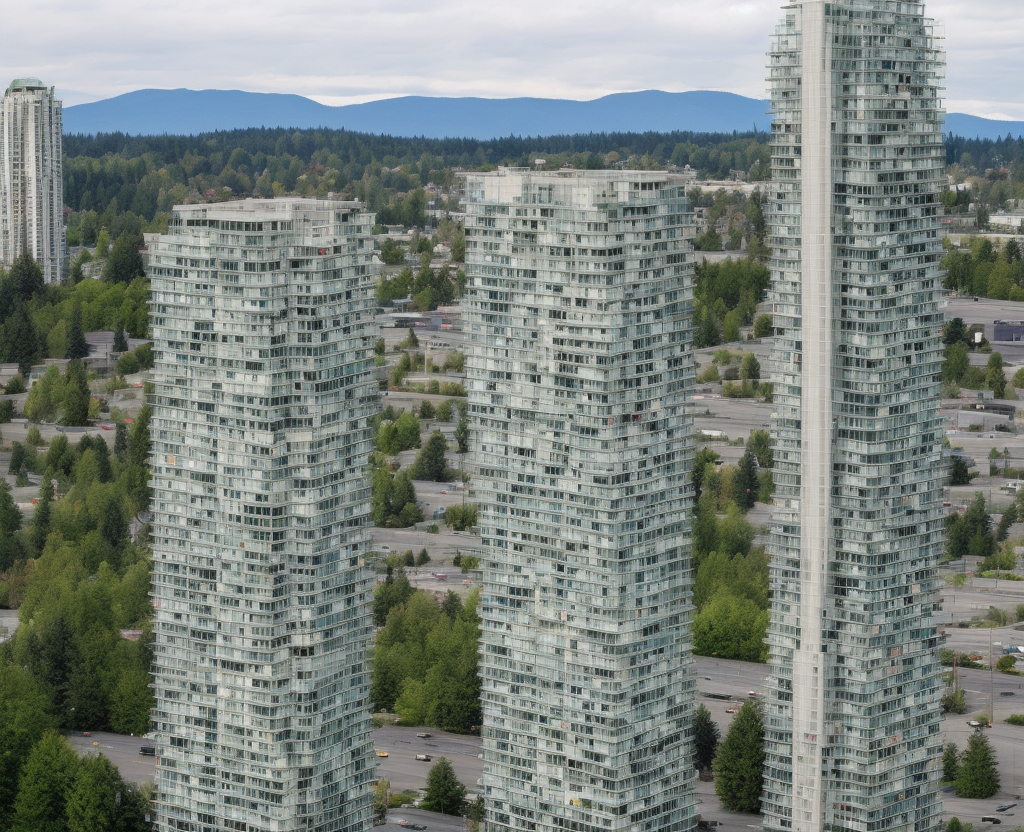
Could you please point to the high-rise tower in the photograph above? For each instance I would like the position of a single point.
(31, 178)
(853, 720)
(262, 325)
(579, 315)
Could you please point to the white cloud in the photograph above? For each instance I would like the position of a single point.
(345, 51)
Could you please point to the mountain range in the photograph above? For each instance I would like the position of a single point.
(188, 112)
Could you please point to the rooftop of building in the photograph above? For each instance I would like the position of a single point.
(255, 208)
(585, 175)
(26, 84)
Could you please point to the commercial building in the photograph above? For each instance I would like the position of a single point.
(263, 339)
(31, 177)
(579, 314)
(853, 720)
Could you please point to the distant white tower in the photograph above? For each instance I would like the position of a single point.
(31, 182)
(853, 722)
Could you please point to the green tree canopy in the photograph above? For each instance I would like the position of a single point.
(445, 794)
(430, 463)
(125, 262)
(977, 776)
(46, 779)
(740, 762)
(705, 739)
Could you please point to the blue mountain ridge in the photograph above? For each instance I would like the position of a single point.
(188, 112)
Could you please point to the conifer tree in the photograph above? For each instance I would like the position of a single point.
(740, 760)
(977, 776)
(77, 346)
(705, 739)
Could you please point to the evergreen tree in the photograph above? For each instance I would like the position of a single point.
(76, 395)
(705, 739)
(44, 510)
(430, 462)
(77, 346)
(45, 781)
(745, 484)
(24, 719)
(445, 794)
(18, 342)
(977, 776)
(121, 441)
(125, 262)
(120, 342)
(17, 461)
(92, 801)
(959, 474)
(740, 761)
(462, 436)
(950, 762)
(25, 278)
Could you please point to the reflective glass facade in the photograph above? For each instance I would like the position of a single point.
(31, 177)
(853, 719)
(262, 326)
(579, 310)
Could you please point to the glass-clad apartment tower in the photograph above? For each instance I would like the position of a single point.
(31, 178)
(262, 325)
(853, 718)
(579, 315)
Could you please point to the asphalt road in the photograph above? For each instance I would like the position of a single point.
(122, 751)
(404, 771)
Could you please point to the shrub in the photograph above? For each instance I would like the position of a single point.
(1015, 719)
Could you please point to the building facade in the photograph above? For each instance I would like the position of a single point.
(579, 310)
(31, 177)
(853, 719)
(263, 338)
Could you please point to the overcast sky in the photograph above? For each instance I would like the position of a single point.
(341, 51)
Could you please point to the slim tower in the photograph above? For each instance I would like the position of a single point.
(262, 324)
(853, 721)
(31, 179)
(579, 314)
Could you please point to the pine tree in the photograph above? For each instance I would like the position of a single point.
(46, 778)
(76, 395)
(950, 762)
(738, 766)
(462, 436)
(44, 509)
(92, 801)
(445, 794)
(120, 342)
(977, 776)
(430, 462)
(125, 262)
(26, 278)
(77, 346)
(705, 739)
(745, 484)
(18, 342)
(121, 441)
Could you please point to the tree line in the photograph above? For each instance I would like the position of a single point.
(78, 578)
(425, 658)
